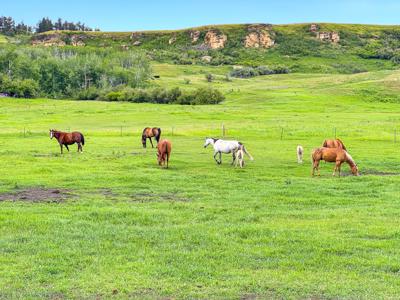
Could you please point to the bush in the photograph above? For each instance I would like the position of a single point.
(209, 77)
(26, 88)
(248, 72)
(200, 96)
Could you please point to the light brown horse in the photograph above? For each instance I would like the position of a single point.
(335, 155)
(148, 133)
(68, 138)
(163, 152)
(334, 144)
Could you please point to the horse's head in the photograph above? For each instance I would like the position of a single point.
(52, 133)
(354, 170)
(144, 141)
(208, 141)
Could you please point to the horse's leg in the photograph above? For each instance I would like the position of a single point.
(167, 159)
(215, 154)
(151, 142)
(61, 146)
(220, 158)
(79, 146)
(66, 146)
(233, 157)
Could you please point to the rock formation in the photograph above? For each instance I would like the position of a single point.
(332, 37)
(215, 39)
(195, 35)
(259, 37)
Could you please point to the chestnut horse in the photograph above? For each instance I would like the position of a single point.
(163, 152)
(148, 133)
(66, 138)
(335, 155)
(334, 144)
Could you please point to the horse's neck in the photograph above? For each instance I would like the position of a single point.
(350, 160)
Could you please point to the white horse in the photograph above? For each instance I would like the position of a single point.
(300, 152)
(221, 146)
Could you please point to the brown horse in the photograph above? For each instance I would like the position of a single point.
(148, 133)
(334, 144)
(335, 155)
(163, 152)
(66, 138)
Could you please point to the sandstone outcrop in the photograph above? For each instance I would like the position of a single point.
(215, 40)
(259, 37)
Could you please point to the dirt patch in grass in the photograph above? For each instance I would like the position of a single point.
(379, 173)
(37, 195)
(152, 197)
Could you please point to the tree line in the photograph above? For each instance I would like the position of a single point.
(8, 26)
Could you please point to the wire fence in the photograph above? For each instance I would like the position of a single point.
(383, 134)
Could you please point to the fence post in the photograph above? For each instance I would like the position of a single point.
(223, 130)
(281, 133)
(335, 132)
(121, 130)
(172, 130)
(24, 132)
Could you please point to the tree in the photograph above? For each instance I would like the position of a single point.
(44, 25)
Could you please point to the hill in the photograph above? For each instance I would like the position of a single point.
(319, 47)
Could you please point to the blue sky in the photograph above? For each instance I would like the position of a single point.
(119, 15)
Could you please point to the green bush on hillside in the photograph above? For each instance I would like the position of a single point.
(248, 72)
(201, 96)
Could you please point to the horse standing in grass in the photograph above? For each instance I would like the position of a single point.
(68, 138)
(148, 133)
(334, 144)
(336, 155)
(221, 146)
(300, 152)
(164, 148)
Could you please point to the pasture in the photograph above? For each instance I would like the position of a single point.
(111, 223)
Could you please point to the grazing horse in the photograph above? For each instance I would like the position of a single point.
(334, 144)
(221, 146)
(148, 133)
(163, 152)
(335, 155)
(300, 152)
(66, 138)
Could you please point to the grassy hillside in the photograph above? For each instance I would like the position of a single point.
(360, 48)
(127, 228)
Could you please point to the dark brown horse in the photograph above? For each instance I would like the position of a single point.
(334, 144)
(148, 133)
(163, 152)
(66, 138)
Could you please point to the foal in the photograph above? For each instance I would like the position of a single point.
(300, 152)
(163, 152)
(240, 156)
(68, 138)
(335, 155)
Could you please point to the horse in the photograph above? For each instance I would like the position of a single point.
(163, 152)
(240, 157)
(334, 144)
(335, 155)
(221, 146)
(300, 152)
(148, 133)
(66, 138)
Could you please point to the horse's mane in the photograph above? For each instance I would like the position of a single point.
(350, 159)
(343, 146)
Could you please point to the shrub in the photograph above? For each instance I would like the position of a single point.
(248, 72)
(209, 77)
(26, 88)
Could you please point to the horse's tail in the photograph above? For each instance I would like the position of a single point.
(82, 139)
(158, 135)
(341, 143)
(247, 153)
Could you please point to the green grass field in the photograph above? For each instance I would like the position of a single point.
(199, 230)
